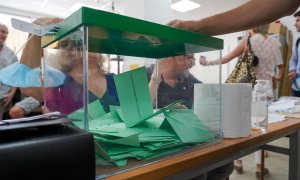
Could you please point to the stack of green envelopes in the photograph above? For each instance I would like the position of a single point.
(134, 130)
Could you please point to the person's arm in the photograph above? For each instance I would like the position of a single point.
(279, 63)
(10, 96)
(32, 54)
(154, 81)
(237, 51)
(293, 64)
(279, 72)
(32, 51)
(249, 15)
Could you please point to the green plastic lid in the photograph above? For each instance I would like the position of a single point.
(111, 33)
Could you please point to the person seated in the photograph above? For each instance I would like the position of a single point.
(174, 81)
(25, 107)
(68, 59)
(170, 81)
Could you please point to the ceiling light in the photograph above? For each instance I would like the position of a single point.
(184, 5)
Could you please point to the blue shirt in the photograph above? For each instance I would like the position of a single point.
(294, 63)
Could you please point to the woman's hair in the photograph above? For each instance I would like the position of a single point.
(100, 60)
(261, 29)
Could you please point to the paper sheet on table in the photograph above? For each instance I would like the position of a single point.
(273, 118)
(281, 106)
(293, 115)
(134, 96)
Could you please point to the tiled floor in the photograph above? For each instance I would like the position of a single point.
(276, 163)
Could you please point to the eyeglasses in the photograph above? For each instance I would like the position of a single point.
(68, 44)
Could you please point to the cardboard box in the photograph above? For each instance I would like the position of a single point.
(277, 28)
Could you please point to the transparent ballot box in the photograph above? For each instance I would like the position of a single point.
(137, 86)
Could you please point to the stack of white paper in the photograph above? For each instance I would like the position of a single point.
(236, 110)
(235, 107)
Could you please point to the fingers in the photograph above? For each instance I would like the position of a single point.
(203, 61)
(46, 21)
(174, 23)
(6, 102)
(292, 75)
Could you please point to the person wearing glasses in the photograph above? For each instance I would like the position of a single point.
(268, 53)
(7, 57)
(173, 81)
(66, 58)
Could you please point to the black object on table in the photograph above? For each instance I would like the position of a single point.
(47, 151)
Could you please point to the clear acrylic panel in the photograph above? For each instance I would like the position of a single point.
(143, 97)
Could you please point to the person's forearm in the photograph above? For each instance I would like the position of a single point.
(280, 71)
(13, 91)
(153, 87)
(293, 61)
(153, 90)
(32, 53)
(249, 15)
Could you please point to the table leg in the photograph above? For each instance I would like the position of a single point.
(262, 164)
(294, 158)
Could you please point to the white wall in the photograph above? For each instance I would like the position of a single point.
(289, 22)
(157, 11)
(15, 39)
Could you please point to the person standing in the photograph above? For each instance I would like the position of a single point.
(294, 67)
(267, 51)
(7, 57)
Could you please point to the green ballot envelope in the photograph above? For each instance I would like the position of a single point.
(136, 86)
(134, 95)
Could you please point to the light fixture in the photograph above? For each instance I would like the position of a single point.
(184, 5)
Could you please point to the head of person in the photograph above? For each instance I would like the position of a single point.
(3, 33)
(95, 67)
(179, 64)
(297, 20)
(261, 29)
(65, 55)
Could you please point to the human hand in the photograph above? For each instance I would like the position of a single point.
(279, 78)
(179, 106)
(292, 75)
(157, 71)
(47, 21)
(8, 99)
(203, 61)
(187, 25)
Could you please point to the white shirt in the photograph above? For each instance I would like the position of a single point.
(7, 57)
(268, 53)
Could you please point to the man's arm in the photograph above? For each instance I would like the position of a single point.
(249, 15)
